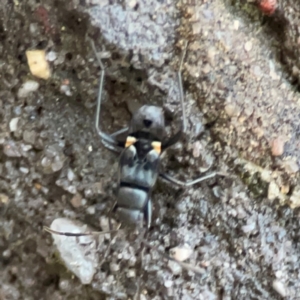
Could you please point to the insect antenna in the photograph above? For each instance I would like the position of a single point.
(49, 230)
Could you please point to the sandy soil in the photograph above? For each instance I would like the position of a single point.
(242, 98)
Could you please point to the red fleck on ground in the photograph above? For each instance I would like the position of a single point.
(268, 7)
(43, 16)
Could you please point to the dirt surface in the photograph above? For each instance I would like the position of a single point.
(241, 74)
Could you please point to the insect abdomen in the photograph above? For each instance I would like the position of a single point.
(132, 203)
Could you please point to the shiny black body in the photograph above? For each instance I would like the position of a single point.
(140, 156)
(139, 166)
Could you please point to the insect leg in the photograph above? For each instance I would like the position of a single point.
(119, 132)
(180, 85)
(148, 213)
(175, 138)
(109, 141)
(113, 209)
(187, 183)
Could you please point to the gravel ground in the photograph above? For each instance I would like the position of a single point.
(241, 81)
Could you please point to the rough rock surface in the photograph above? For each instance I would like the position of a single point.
(241, 81)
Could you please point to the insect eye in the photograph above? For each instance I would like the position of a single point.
(147, 123)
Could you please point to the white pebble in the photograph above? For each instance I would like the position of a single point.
(70, 175)
(131, 274)
(13, 124)
(72, 189)
(33, 28)
(78, 254)
(168, 283)
(91, 210)
(51, 56)
(249, 227)
(57, 165)
(280, 288)
(114, 267)
(273, 191)
(65, 89)
(295, 198)
(24, 170)
(181, 253)
(27, 88)
(26, 148)
(248, 46)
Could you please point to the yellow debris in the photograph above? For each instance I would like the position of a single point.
(38, 64)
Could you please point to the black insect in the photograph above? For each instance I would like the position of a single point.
(139, 164)
(140, 156)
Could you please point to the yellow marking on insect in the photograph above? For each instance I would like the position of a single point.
(130, 141)
(156, 146)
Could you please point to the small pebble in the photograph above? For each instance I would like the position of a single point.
(249, 227)
(4, 199)
(295, 198)
(71, 175)
(236, 25)
(37, 185)
(29, 136)
(131, 273)
(218, 191)
(168, 283)
(25, 148)
(114, 267)
(181, 253)
(78, 254)
(65, 89)
(76, 200)
(273, 191)
(280, 288)
(232, 110)
(131, 3)
(13, 124)
(27, 88)
(285, 189)
(33, 28)
(7, 253)
(64, 285)
(46, 162)
(57, 164)
(91, 210)
(18, 110)
(248, 46)
(11, 149)
(51, 56)
(277, 146)
(197, 147)
(24, 170)
(72, 189)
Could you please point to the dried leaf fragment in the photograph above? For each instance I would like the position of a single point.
(38, 64)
